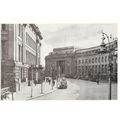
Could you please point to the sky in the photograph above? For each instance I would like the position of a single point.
(79, 35)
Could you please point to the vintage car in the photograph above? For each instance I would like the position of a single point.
(62, 84)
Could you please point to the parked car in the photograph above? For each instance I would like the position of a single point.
(62, 84)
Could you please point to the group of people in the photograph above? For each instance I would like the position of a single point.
(50, 80)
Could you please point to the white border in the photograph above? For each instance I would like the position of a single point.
(62, 11)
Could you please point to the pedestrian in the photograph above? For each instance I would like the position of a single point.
(97, 79)
(53, 82)
(49, 81)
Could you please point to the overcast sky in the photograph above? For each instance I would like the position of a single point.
(80, 35)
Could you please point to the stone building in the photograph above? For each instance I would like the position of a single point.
(21, 45)
(91, 64)
(86, 63)
(62, 58)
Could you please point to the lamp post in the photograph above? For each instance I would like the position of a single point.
(41, 84)
(52, 77)
(40, 77)
(109, 51)
(31, 81)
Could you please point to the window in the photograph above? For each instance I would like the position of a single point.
(99, 59)
(82, 68)
(105, 68)
(82, 61)
(85, 60)
(30, 41)
(105, 58)
(102, 68)
(4, 50)
(3, 27)
(20, 53)
(99, 69)
(95, 68)
(30, 58)
(92, 60)
(89, 61)
(20, 30)
(102, 59)
(95, 60)
(79, 61)
(86, 68)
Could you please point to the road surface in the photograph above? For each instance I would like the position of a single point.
(82, 90)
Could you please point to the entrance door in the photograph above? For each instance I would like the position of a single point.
(61, 64)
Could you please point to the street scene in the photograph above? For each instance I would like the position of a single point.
(59, 62)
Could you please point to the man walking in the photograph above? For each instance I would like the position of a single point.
(97, 80)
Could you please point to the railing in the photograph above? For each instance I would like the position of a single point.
(4, 93)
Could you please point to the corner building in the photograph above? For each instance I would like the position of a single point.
(21, 45)
(88, 63)
(91, 64)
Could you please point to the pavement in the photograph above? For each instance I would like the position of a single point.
(77, 90)
(25, 91)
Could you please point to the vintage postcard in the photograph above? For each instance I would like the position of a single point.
(59, 61)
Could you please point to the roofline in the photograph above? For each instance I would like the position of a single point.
(36, 30)
(64, 48)
(93, 47)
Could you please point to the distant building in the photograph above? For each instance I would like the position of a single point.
(90, 64)
(63, 58)
(21, 45)
(85, 63)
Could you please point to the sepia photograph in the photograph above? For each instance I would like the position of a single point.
(59, 61)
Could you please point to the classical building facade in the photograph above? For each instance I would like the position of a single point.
(91, 64)
(21, 45)
(63, 58)
(86, 63)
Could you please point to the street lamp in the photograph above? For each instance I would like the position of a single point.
(41, 78)
(31, 81)
(52, 75)
(109, 50)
